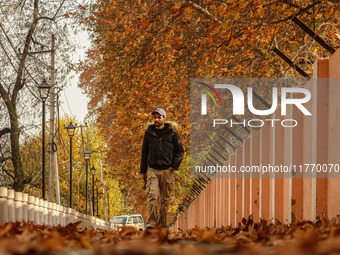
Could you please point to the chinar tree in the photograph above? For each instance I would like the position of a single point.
(26, 27)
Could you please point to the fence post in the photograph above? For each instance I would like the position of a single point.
(24, 207)
(46, 209)
(76, 215)
(60, 214)
(333, 186)
(41, 212)
(73, 216)
(238, 187)
(248, 181)
(56, 214)
(58, 211)
(18, 206)
(232, 193)
(37, 211)
(255, 161)
(30, 209)
(265, 180)
(88, 221)
(83, 220)
(49, 213)
(93, 222)
(65, 214)
(68, 218)
(3, 205)
(11, 209)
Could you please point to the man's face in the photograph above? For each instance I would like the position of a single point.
(158, 120)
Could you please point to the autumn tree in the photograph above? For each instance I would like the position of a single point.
(145, 52)
(25, 27)
(88, 137)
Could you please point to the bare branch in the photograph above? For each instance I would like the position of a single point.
(5, 97)
(202, 10)
(38, 43)
(4, 131)
(46, 18)
(8, 173)
(58, 9)
(301, 11)
(18, 83)
(22, 2)
(2, 160)
(291, 4)
(272, 3)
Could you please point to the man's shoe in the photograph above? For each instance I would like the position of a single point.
(150, 228)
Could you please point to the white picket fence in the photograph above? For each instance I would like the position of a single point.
(18, 206)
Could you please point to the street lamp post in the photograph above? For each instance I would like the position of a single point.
(97, 184)
(44, 90)
(93, 172)
(87, 154)
(70, 130)
(108, 202)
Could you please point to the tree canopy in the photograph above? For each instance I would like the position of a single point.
(26, 29)
(145, 52)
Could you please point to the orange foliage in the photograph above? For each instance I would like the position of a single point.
(145, 52)
(320, 237)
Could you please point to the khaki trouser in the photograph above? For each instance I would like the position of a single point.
(158, 180)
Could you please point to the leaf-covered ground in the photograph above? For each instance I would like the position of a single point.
(320, 237)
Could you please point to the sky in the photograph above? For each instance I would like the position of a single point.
(73, 101)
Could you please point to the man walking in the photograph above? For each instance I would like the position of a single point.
(162, 153)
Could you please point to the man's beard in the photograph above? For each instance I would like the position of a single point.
(158, 124)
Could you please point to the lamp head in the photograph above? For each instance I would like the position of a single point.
(93, 170)
(87, 154)
(70, 129)
(44, 90)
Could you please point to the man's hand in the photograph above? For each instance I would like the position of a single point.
(171, 169)
(144, 177)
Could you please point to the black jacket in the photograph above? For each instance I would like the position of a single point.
(163, 151)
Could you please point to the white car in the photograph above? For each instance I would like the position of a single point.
(134, 220)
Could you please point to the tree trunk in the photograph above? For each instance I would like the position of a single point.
(10, 101)
(18, 184)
